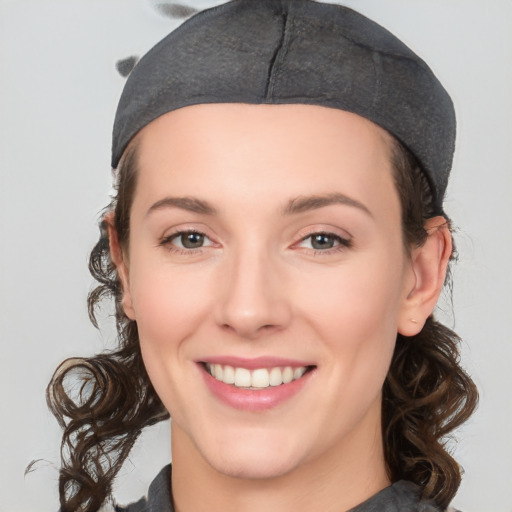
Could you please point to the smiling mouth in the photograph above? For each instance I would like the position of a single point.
(259, 378)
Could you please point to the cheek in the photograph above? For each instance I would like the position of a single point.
(169, 309)
(355, 311)
(358, 296)
(169, 306)
(161, 303)
(166, 301)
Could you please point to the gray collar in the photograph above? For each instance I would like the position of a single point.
(402, 496)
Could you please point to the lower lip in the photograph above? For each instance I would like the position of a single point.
(254, 399)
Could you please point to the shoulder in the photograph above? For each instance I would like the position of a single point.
(139, 506)
(159, 496)
(402, 496)
(410, 493)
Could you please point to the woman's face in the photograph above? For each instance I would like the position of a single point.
(266, 246)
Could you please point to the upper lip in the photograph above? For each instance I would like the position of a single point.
(255, 363)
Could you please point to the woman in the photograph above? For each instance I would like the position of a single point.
(275, 250)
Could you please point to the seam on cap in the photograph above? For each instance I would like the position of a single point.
(377, 71)
(278, 57)
(414, 58)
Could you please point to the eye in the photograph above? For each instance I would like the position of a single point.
(324, 241)
(187, 240)
(190, 240)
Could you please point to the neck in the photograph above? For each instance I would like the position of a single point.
(337, 481)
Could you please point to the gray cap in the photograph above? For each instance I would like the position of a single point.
(294, 51)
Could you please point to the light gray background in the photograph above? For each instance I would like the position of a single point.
(58, 91)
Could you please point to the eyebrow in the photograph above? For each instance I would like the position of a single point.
(297, 205)
(305, 203)
(190, 204)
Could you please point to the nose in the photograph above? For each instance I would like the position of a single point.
(254, 299)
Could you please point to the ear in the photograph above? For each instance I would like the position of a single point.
(121, 263)
(429, 265)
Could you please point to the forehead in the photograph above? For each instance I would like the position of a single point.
(225, 150)
(296, 119)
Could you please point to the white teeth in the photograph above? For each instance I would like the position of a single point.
(257, 379)
(276, 377)
(229, 375)
(298, 372)
(287, 375)
(260, 378)
(217, 371)
(242, 378)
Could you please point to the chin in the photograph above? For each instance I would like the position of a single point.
(253, 459)
(260, 469)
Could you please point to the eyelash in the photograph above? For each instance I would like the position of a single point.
(341, 243)
(168, 242)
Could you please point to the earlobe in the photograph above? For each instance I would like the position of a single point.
(429, 266)
(119, 260)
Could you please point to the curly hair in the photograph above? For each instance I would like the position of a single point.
(425, 396)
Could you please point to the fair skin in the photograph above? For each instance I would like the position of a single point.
(294, 257)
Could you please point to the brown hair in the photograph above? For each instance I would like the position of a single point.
(425, 396)
(426, 393)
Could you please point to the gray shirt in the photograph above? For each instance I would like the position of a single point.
(402, 496)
